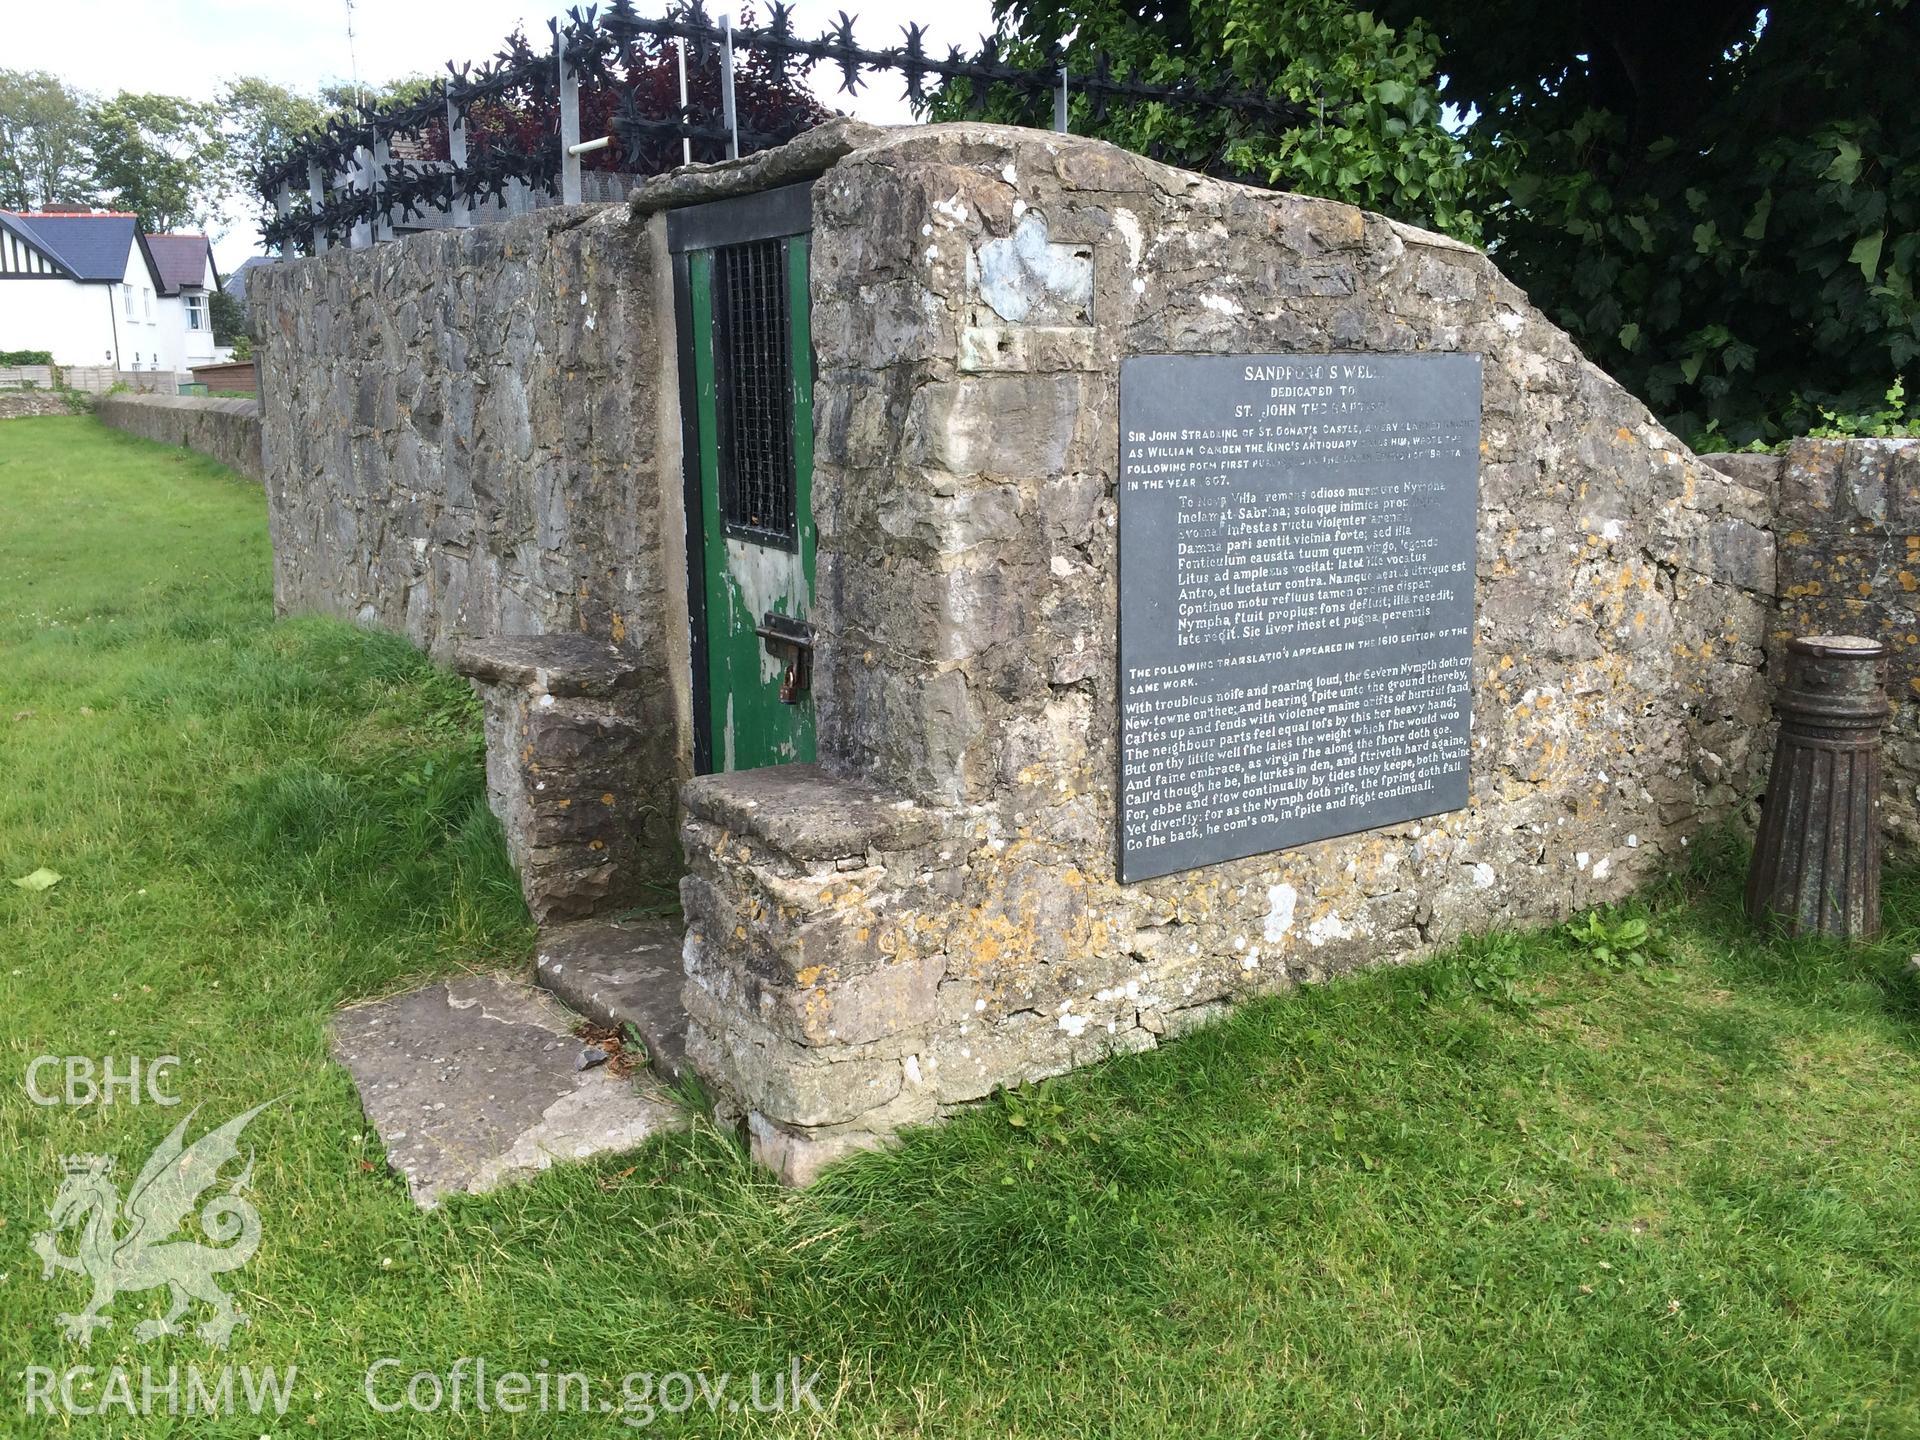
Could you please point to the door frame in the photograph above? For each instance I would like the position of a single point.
(763, 215)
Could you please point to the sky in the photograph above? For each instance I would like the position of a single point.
(188, 47)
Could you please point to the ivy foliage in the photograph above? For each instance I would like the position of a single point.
(1720, 201)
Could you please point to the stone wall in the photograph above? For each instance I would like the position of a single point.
(223, 430)
(1847, 517)
(21, 404)
(472, 437)
(934, 912)
(465, 442)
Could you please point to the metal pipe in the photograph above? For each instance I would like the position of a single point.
(686, 141)
(361, 235)
(570, 186)
(585, 145)
(726, 88)
(1060, 103)
(462, 206)
(383, 221)
(317, 198)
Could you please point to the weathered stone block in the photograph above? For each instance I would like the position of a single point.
(575, 769)
(1012, 425)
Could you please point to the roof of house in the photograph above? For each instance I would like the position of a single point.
(236, 282)
(182, 261)
(91, 247)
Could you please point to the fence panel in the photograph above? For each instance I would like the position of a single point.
(356, 193)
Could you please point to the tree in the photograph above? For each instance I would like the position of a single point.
(772, 104)
(1721, 202)
(43, 142)
(259, 119)
(229, 318)
(1376, 137)
(161, 157)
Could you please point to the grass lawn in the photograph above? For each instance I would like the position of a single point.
(1510, 1193)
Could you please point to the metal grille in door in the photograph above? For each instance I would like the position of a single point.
(756, 392)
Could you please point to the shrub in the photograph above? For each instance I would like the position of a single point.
(26, 357)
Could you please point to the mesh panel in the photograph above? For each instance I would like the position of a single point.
(756, 392)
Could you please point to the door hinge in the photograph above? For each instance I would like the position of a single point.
(791, 641)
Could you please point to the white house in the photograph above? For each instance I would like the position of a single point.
(188, 282)
(94, 290)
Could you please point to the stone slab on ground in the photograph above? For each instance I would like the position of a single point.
(475, 1082)
(619, 973)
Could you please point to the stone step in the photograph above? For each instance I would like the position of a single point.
(622, 972)
(474, 1082)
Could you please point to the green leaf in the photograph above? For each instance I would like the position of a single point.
(1846, 164)
(1866, 253)
(1756, 226)
(41, 879)
(1629, 335)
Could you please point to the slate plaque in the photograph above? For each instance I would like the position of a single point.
(1296, 598)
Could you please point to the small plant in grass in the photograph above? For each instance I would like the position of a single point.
(1033, 1114)
(1489, 967)
(1615, 941)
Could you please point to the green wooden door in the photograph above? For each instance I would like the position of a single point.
(752, 395)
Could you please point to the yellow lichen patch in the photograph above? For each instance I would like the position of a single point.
(1623, 435)
(1865, 588)
(607, 799)
(619, 628)
(1907, 582)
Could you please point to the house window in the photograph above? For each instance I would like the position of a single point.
(196, 312)
(127, 292)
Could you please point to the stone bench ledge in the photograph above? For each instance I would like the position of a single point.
(561, 665)
(807, 814)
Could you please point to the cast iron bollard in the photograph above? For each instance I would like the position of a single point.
(1817, 861)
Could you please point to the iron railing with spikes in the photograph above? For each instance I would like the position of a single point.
(343, 184)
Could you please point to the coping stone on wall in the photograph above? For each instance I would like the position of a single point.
(226, 429)
(803, 158)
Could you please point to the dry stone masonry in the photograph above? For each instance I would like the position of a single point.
(474, 437)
